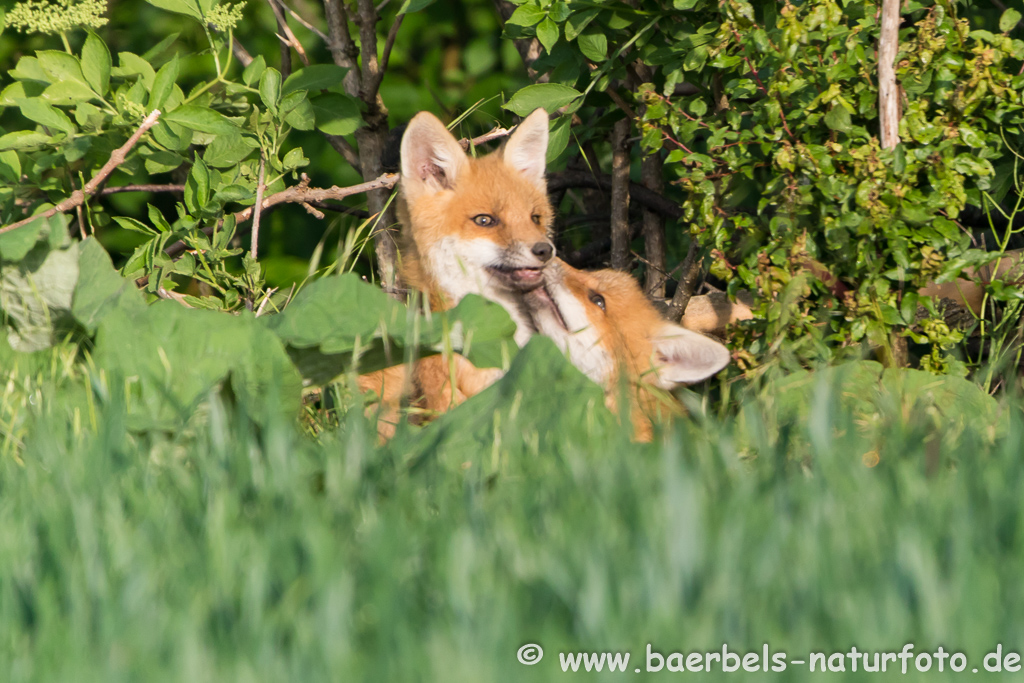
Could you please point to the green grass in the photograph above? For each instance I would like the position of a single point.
(235, 547)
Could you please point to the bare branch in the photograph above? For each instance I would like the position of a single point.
(486, 137)
(298, 18)
(388, 45)
(301, 194)
(289, 38)
(888, 92)
(78, 196)
(342, 147)
(141, 188)
(258, 206)
(688, 280)
(529, 48)
(343, 49)
(241, 54)
(620, 195)
(654, 229)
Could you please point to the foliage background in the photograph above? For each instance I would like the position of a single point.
(164, 514)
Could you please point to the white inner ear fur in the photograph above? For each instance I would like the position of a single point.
(431, 156)
(527, 148)
(684, 357)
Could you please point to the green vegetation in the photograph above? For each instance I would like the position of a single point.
(191, 486)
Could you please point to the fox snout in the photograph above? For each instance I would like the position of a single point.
(543, 251)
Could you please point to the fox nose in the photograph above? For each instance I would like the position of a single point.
(543, 251)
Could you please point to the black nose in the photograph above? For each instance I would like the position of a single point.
(543, 251)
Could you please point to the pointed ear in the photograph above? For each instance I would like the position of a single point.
(431, 156)
(527, 148)
(685, 357)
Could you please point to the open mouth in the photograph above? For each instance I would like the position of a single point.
(541, 297)
(521, 279)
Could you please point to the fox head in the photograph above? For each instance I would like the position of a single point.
(610, 330)
(472, 225)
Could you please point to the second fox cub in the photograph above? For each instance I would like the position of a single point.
(613, 334)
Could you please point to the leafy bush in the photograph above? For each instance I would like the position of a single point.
(768, 117)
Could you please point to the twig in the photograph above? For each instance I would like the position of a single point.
(298, 18)
(620, 195)
(300, 194)
(141, 188)
(78, 196)
(389, 43)
(486, 137)
(342, 147)
(688, 280)
(241, 54)
(173, 296)
(258, 206)
(288, 38)
(266, 298)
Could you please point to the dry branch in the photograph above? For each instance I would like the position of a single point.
(689, 278)
(79, 196)
(654, 229)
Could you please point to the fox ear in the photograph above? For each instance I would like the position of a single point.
(431, 156)
(527, 148)
(684, 357)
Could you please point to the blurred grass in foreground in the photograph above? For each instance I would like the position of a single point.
(234, 548)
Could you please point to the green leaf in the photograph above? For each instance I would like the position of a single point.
(152, 53)
(130, 64)
(42, 113)
(68, 92)
(187, 7)
(336, 114)
(23, 139)
(252, 73)
(294, 159)
(60, 66)
(197, 187)
(100, 289)
(15, 244)
(96, 63)
(547, 33)
(163, 84)
(297, 111)
(135, 226)
(270, 89)
(558, 140)
(314, 77)
(684, 4)
(227, 150)
(1008, 20)
(202, 119)
(29, 69)
(20, 90)
(549, 96)
(838, 118)
(578, 21)
(594, 46)
(527, 15)
(410, 6)
(10, 167)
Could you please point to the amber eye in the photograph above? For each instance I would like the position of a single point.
(485, 220)
(597, 300)
(536, 219)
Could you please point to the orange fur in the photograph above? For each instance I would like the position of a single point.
(470, 225)
(615, 335)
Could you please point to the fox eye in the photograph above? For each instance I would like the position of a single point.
(485, 220)
(597, 300)
(535, 218)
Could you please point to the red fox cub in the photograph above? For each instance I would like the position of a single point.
(611, 332)
(469, 226)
